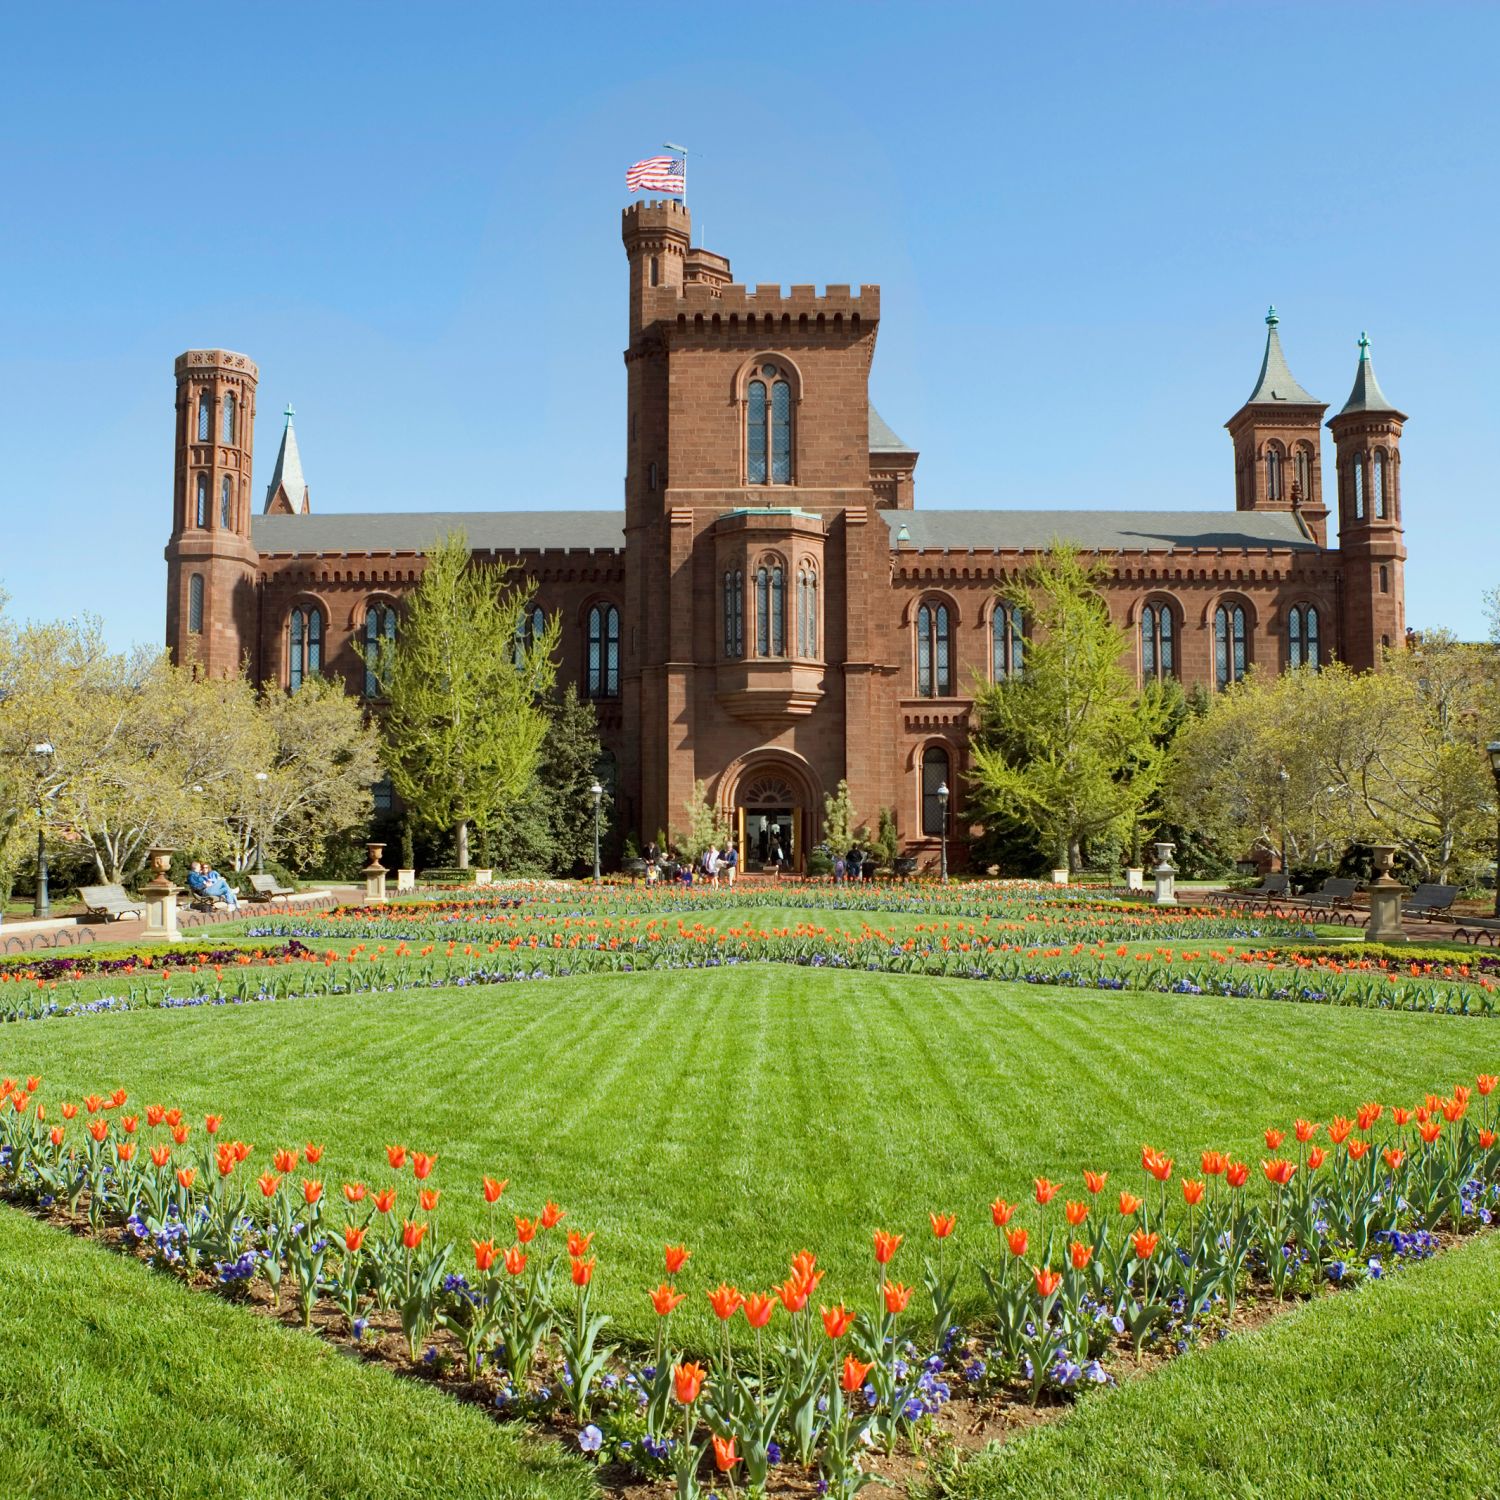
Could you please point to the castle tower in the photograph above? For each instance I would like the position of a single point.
(1367, 435)
(1277, 452)
(211, 563)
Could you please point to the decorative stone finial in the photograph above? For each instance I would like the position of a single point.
(1271, 317)
(1364, 347)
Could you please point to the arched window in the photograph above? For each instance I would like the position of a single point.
(380, 627)
(1273, 473)
(1158, 643)
(734, 613)
(201, 510)
(655, 270)
(778, 611)
(383, 794)
(1378, 486)
(531, 627)
(934, 775)
(1229, 644)
(226, 424)
(1304, 475)
(195, 604)
(807, 609)
(305, 643)
(1385, 579)
(1007, 642)
(934, 653)
(226, 503)
(1358, 462)
(602, 669)
(203, 427)
(770, 609)
(1302, 636)
(768, 427)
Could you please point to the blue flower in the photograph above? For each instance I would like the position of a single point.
(591, 1440)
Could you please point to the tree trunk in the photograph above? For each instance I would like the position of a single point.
(462, 835)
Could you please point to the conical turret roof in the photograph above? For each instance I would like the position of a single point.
(1276, 386)
(1366, 395)
(286, 478)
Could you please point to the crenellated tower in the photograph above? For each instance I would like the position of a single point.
(1277, 443)
(1367, 435)
(211, 563)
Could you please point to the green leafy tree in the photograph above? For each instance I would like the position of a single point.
(887, 842)
(706, 824)
(838, 819)
(466, 688)
(1070, 750)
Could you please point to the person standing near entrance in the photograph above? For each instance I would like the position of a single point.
(731, 861)
(778, 855)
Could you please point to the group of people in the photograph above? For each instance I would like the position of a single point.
(715, 866)
(857, 864)
(208, 886)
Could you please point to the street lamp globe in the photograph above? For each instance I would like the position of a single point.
(942, 796)
(596, 792)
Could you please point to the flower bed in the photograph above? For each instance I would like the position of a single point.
(1080, 1279)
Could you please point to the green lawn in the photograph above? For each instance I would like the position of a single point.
(1390, 1391)
(752, 1111)
(119, 1384)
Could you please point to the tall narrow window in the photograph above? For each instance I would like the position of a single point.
(1302, 636)
(934, 655)
(1359, 486)
(781, 433)
(763, 611)
(934, 776)
(531, 627)
(755, 433)
(1304, 476)
(1273, 474)
(807, 609)
(734, 613)
(226, 503)
(778, 611)
(201, 509)
(226, 424)
(1007, 642)
(383, 795)
(380, 635)
(655, 271)
(1379, 485)
(1158, 647)
(305, 645)
(203, 420)
(602, 669)
(1229, 644)
(195, 604)
(1385, 579)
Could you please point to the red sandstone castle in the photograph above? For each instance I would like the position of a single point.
(770, 613)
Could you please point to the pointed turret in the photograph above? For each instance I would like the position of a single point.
(287, 493)
(1277, 435)
(1366, 395)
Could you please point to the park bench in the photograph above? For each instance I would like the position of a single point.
(1430, 901)
(108, 903)
(1334, 900)
(1272, 888)
(1477, 930)
(268, 888)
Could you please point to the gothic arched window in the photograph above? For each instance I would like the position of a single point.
(531, 627)
(380, 634)
(226, 503)
(1378, 485)
(1007, 642)
(226, 425)
(1358, 481)
(768, 427)
(1273, 473)
(305, 645)
(1304, 474)
(807, 609)
(195, 604)
(203, 419)
(734, 613)
(1302, 636)
(201, 509)
(934, 652)
(1158, 643)
(778, 611)
(1229, 644)
(602, 667)
(934, 775)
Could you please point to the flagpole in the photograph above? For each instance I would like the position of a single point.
(671, 147)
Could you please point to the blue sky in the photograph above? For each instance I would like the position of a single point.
(408, 216)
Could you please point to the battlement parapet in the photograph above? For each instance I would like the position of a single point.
(735, 301)
(203, 361)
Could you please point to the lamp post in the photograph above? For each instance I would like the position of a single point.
(42, 905)
(260, 822)
(1283, 777)
(596, 792)
(942, 796)
(1494, 753)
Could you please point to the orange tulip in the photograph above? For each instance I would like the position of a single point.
(1393, 1157)
(354, 1237)
(396, 1156)
(758, 1309)
(677, 1256)
(1129, 1204)
(125, 1150)
(1315, 1158)
(1192, 1191)
(314, 1154)
(1305, 1130)
(836, 1320)
(1278, 1170)
(1367, 1114)
(1486, 1139)
(1016, 1239)
(886, 1245)
(284, 1161)
(666, 1299)
(1357, 1149)
(1338, 1129)
(185, 1176)
(578, 1244)
(1236, 1174)
(1157, 1164)
(173, 1117)
(515, 1261)
(267, 1182)
(1094, 1181)
(355, 1192)
(943, 1224)
(98, 1129)
(1214, 1163)
(1081, 1254)
(583, 1270)
(1401, 1116)
(57, 1134)
(211, 1123)
(552, 1215)
(484, 1254)
(311, 1191)
(427, 1198)
(896, 1297)
(1273, 1139)
(412, 1234)
(1075, 1213)
(422, 1164)
(793, 1294)
(1046, 1191)
(1429, 1130)
(1047, 1281)
(726, 1301)
(1487, 1082)
(1001, 1211)
(385, 1200)
(854, 1374)
(525, 1229)
(493, 1187)
(241, 1149)
(128, 1123)
(1145, 1244)
(687, 1382)
(180, 1134)
(725, 1456)
(69, 1110)
(160, 1155)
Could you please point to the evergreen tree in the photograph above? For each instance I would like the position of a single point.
(571, 760)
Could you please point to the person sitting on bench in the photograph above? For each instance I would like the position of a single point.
(205, 881)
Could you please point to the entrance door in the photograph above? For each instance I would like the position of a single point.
(768, 814)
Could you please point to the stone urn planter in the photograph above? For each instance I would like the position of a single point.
(905, 866)
(1165, 876)
(374, 873)
(1386, 892)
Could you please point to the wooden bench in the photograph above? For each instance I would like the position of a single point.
(1477, 930)
(1272, 888)
(1430, 901)
(1334, 900)
(108, 903)
(268, 888)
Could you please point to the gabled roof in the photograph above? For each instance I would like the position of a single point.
(287, 475)
(1366, 395)
(1098, 530)
(1276, 386)
(416, 531)
(883, 439)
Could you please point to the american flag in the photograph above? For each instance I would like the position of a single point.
(658, 174)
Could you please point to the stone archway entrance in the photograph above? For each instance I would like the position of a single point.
(770, 804)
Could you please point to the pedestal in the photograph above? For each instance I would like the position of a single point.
(161, 901)
(1059, 877)
(1386, 892)
(483, 877)
(374, 874)
(406, 880)
(1165, 876)
(1135, 880)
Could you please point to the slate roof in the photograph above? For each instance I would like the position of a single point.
(1276, 386)
(288, 470)
(1366, 395)
(416, 531)
(882, 438)
(1098, 530)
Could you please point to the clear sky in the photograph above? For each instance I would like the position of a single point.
(408, 215)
